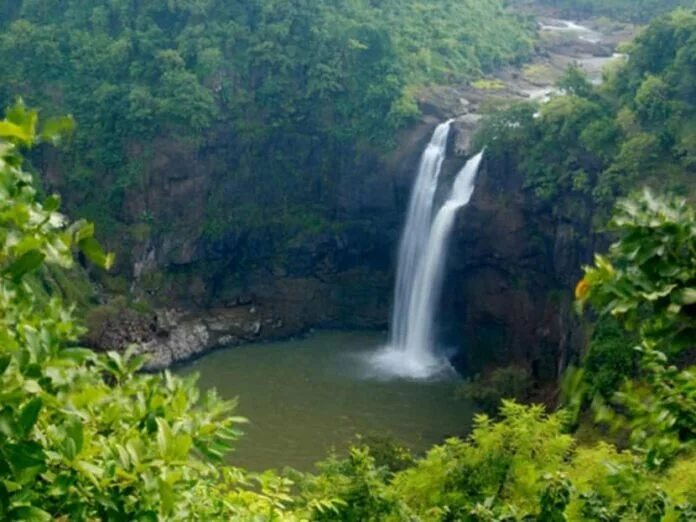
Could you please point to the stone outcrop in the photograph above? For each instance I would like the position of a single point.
(465, 127)
(183, 336)
(170, 336)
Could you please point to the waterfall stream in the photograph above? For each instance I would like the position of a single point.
(411, 351)
(420, 340)
(416, 230)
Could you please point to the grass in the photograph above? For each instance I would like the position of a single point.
(486, 84)
(539, 73)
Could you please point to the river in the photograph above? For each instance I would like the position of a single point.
(306, 397)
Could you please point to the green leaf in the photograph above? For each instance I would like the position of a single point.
(25, 264)
(23, 456)
(183, 445)
(75, 431)
(89, 470)
(23, 118)
(61, 485)
(30, 514)
(81, 230)
(123, 456)
(28, 416)
(135, 450)
(79, 355)
(33, 342)
(93, 250)
(52, 203)
(4, 363)
(11, 131)
(165, 439)
(167, 498)
(32, 386)
(7, 422)
(109, 261)
(688, 296)
(68, 449)
(209, 451)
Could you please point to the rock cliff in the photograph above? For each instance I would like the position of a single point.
(514, 265)
(283, 261)
(272, 279)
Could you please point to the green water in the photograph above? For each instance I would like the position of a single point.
(307, 396)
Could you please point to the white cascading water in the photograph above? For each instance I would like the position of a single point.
(420, 339)
(416, 229)
(411, 352)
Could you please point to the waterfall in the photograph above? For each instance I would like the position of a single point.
(416, 230)
(420, 274)
(429, 278)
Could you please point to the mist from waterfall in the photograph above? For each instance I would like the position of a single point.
(420, 273)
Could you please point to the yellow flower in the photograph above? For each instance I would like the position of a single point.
(582, 290)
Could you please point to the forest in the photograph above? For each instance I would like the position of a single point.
(88, 436)
(270, 84)
(633, 131)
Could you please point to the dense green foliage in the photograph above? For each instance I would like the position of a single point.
(83, 436)
(646, 282)
(656, 261)
(597, 143)
(289, 94)
(526, 466)
(610, 360)
(522, 467)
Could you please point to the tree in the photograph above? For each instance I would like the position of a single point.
(648, 278)
(85, 436)
(647, 283)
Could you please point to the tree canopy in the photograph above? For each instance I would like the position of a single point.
(270, 84)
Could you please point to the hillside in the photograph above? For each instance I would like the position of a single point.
(285, 94)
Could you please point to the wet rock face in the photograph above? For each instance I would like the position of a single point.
(335, 274)
(120, 329)
(514, 265)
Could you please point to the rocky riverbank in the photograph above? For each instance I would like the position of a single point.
(170, 336)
